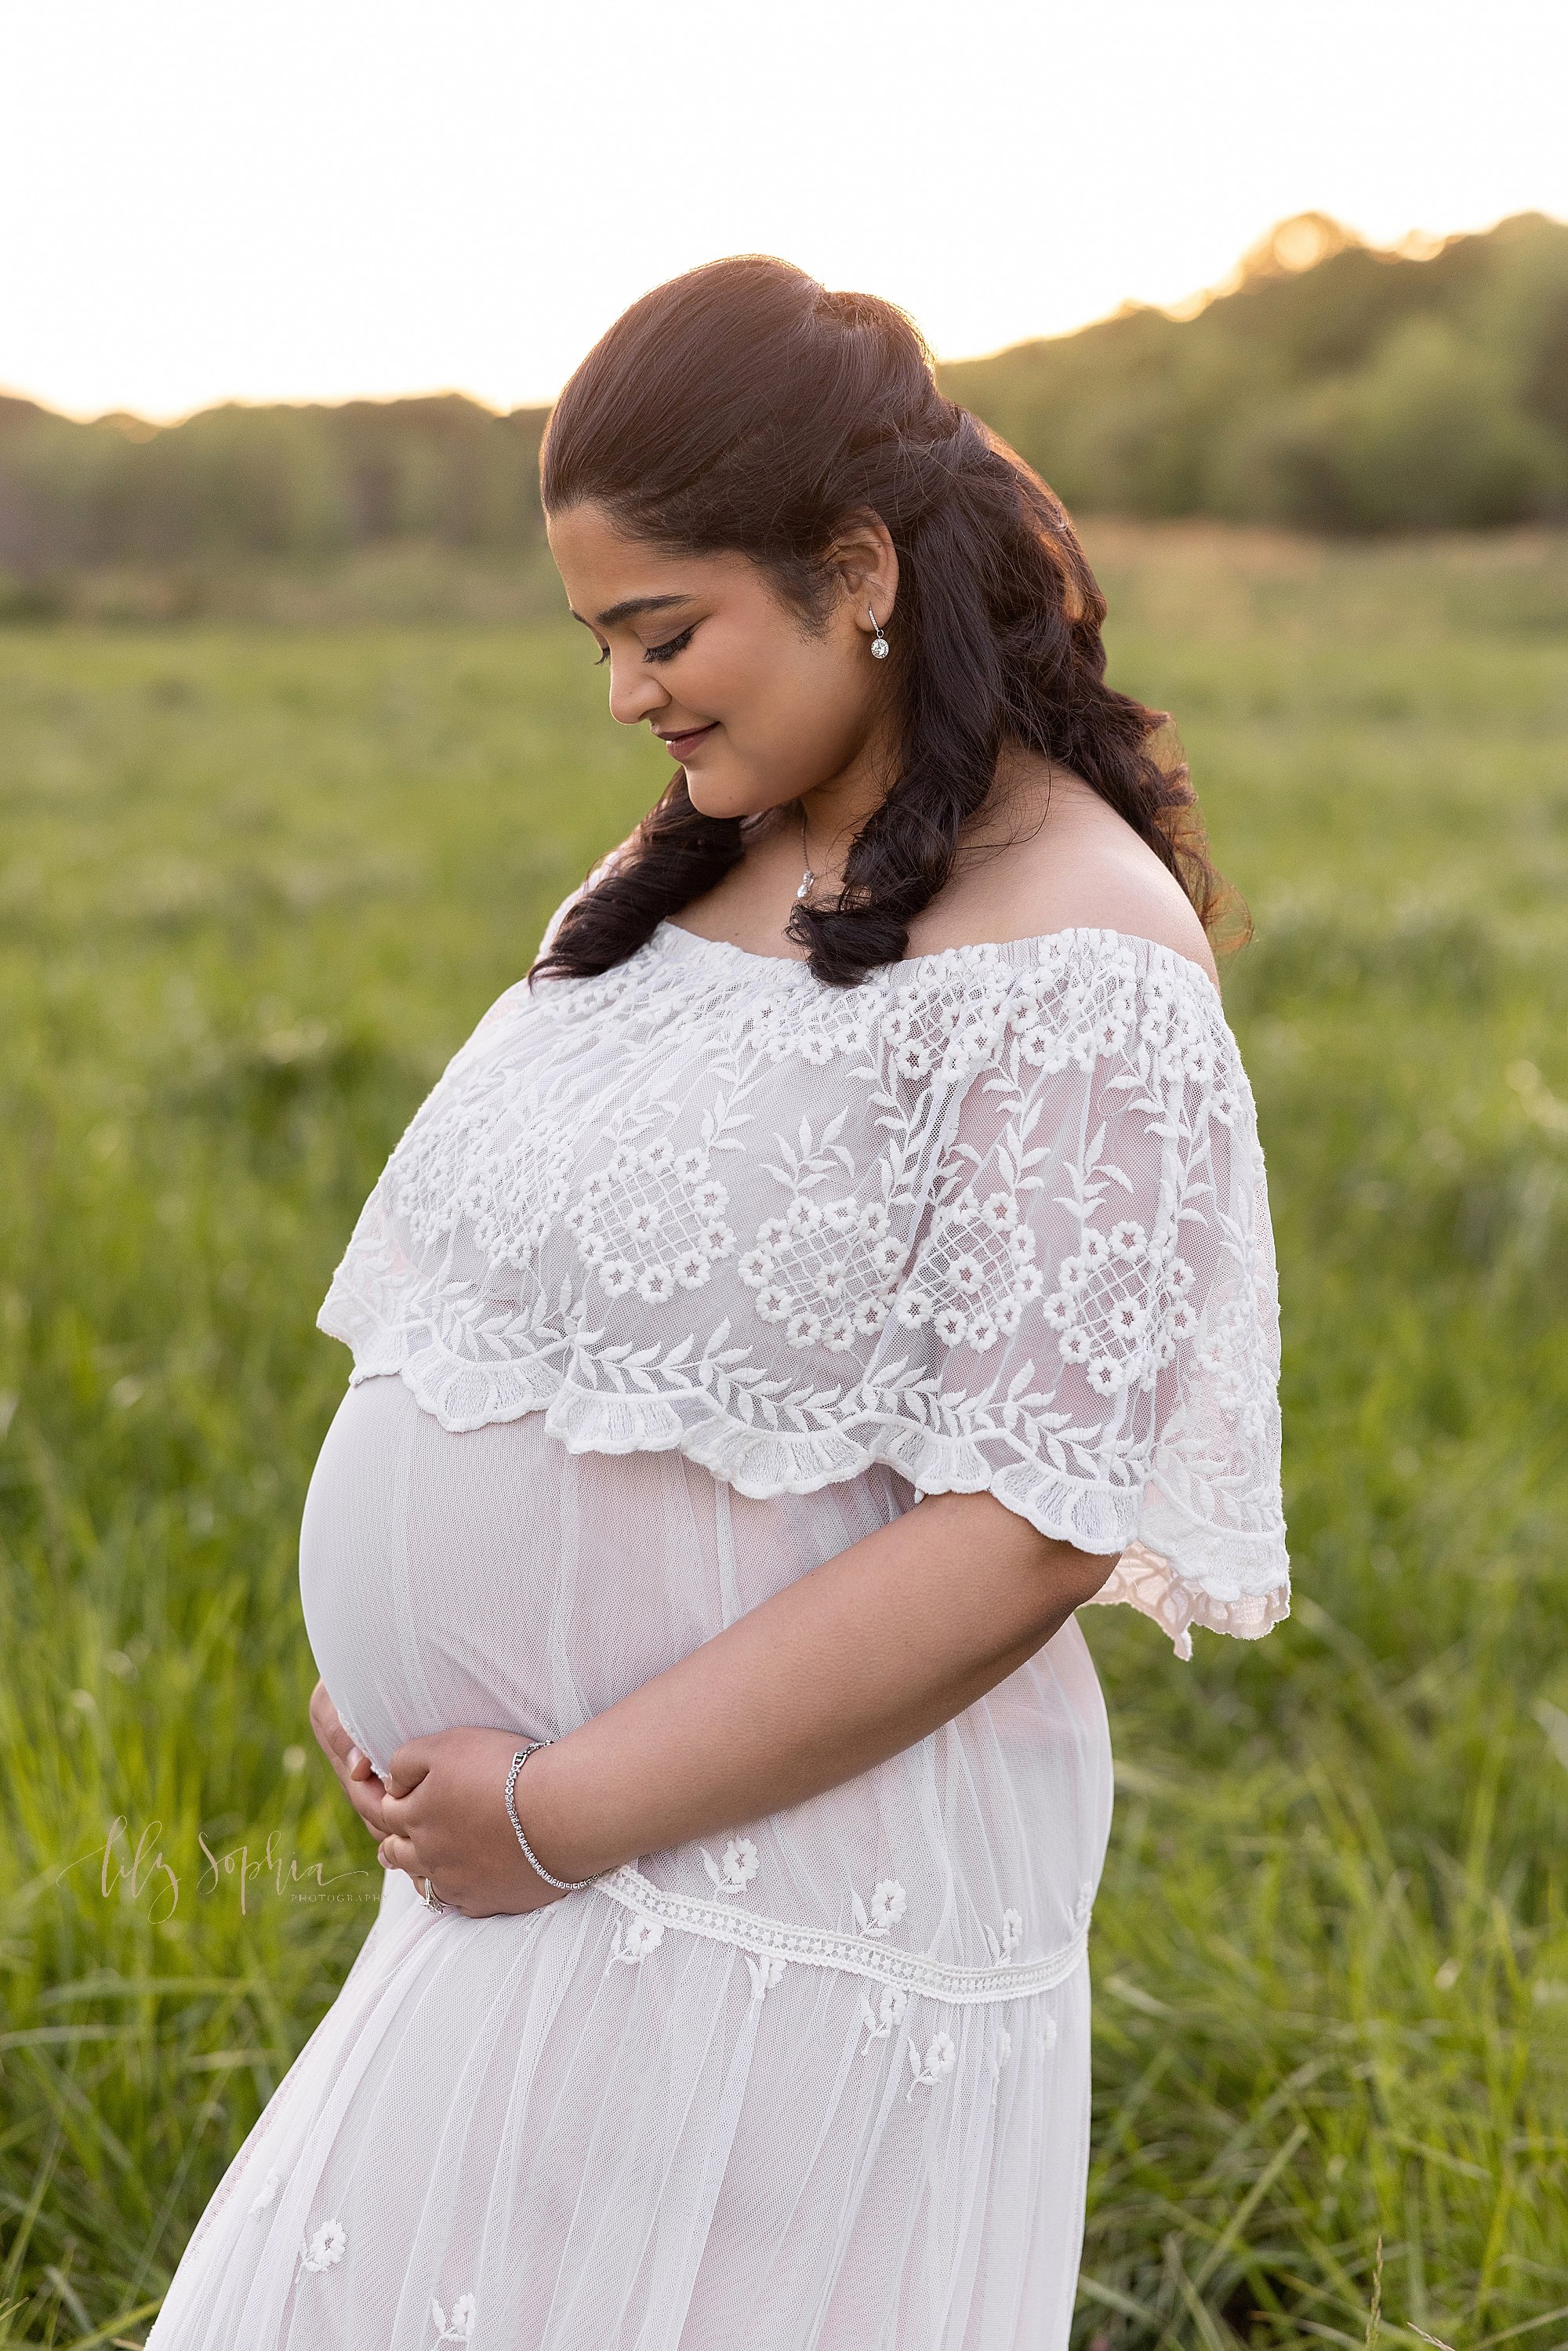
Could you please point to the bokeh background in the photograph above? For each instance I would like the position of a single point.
(297, 750)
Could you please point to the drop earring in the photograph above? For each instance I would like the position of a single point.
(878, 643)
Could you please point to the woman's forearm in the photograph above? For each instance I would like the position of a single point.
(855, 1661)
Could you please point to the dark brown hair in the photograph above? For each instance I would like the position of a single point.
(744, 409)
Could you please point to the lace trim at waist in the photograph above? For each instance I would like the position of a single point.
(772, 1939)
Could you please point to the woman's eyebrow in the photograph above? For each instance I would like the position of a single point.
(629, 607)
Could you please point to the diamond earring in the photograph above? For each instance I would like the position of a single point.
(878, 643)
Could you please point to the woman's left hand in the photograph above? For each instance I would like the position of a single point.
(445, 1811)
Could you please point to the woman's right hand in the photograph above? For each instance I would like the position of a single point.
(359, 1783)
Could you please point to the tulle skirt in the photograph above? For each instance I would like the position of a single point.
(556, 2133)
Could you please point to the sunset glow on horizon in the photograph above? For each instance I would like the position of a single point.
(340, 199)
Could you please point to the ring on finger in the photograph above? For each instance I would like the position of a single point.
(431, 1899)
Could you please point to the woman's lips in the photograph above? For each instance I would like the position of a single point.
(679, 744)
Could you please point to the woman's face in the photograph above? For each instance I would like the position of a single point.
(758, 706)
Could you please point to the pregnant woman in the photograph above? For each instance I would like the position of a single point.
(844, 1253)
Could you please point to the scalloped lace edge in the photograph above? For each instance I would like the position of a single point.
(1172, 1566)
(771, 1938)
(1143, 1579)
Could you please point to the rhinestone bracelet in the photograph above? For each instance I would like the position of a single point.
(562, 1885)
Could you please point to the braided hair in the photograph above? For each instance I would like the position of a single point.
(744, 409)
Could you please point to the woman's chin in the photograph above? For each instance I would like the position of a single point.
(713, 792)
(716, 789)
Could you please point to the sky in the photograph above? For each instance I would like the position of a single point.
(318, 199)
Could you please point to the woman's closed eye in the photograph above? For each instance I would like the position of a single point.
(666, 651)
(671, 646)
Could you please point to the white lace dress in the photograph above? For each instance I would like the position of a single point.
(681, 1280)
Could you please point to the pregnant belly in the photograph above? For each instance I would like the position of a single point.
(490, 1577)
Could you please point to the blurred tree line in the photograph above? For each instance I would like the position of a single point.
(281, 482)
(1332, 386)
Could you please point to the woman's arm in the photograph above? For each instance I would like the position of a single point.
(857, 1660)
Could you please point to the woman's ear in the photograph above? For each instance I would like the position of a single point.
(866, 561)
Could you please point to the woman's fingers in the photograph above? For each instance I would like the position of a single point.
(333, 1738)
(366, 1797)
(396, 1814)
(354, 1770)
(398, 1852)
(408, 1764)
(331, 1735)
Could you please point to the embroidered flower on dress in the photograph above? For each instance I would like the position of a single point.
(825, 1270)
(833, 1026)
(888, 1904)
(1121, 1306)
(1004, 1945)
(654, 1217)
(889, 2012)
(766, 1971)
(517, 1185)
(739, 1865)
(941, 2056)
(635, 1938)
(459, 2327)
(319, 2251)
(974, 1272)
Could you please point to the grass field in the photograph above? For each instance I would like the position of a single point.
(256, 885)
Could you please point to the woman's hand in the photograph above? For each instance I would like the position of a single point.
(445, 1819)
(359, 1783)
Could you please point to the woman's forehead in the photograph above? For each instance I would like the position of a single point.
(612, 576)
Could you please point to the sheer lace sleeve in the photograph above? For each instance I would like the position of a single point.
(1092, 1309)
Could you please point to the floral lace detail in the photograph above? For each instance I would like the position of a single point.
(652, 1219)
(1146, 1581)
(764, 1972)
(828, 1271)
(857, 1955)
(635, 1938)
(941, 2056)
(735, 1873)
(326, 2246)
(1004, 1945)
(888, 1905)
(976, 1273)
(459, 2327)
(880, 2021)
(996, 1217)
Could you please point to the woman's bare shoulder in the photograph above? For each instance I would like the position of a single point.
(1064, 860)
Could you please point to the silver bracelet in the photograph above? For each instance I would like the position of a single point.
(562, 1885)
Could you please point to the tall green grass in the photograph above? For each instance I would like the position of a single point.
(258, 884)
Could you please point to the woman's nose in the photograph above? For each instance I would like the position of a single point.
(633, 695)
